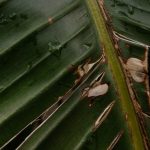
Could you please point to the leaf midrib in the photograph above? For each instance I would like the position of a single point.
(119, 77)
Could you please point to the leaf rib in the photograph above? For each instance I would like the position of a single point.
(119, 78)
(39, 27)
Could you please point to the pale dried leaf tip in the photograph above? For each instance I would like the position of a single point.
(98, 90)
(115, 140)
(129, 40)
(137, 69)
(84, 69)
(103, 116)
(88, 67)
(80, 71)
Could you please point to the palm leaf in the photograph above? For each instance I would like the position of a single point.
(74, 74)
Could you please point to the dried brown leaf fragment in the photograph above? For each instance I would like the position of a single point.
(136, 68)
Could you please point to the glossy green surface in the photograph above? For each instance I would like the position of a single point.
(41, 46)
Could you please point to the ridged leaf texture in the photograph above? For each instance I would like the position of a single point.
(74, 74)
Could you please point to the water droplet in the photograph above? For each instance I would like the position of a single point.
(5, 19)
(13, 16)
(130, 10)
(54, 46)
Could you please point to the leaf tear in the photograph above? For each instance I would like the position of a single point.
(103, 116)
(96, 88)
(85, 68)
(115, 140)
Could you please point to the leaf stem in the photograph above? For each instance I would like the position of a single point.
(117, 72)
